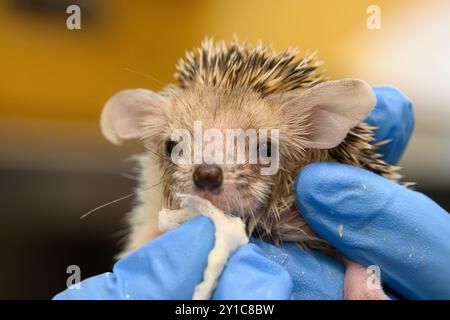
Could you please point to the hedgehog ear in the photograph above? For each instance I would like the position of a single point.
(336, 107)
(124, 114)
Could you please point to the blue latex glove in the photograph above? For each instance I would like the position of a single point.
(394, 118)
(170, 266)
(402, 231)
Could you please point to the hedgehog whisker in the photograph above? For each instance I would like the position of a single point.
(118, 199)
(144, 74)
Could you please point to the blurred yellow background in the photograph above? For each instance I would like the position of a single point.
(51, 72)
(54, 163)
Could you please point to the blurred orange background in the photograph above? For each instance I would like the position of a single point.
(54, 163)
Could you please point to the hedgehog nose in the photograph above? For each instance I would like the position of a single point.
(208, 177)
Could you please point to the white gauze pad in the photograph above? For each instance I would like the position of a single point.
(230, 234)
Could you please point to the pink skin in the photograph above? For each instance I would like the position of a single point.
(355, 284)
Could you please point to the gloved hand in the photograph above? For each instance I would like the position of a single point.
(382, 223)
(170, 267)
(403, 232)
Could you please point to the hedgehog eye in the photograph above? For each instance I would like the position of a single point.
(265, 149)
(170, 144)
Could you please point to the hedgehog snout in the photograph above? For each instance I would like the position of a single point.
(208, 177)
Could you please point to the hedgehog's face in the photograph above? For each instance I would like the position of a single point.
(188, 130)
(205, 135)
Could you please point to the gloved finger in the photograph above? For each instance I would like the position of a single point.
(374, 221)
(249, 275)
(314, 275)
(393, 115)
(168, 267)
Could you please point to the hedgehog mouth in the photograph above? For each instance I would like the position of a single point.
(229, 200)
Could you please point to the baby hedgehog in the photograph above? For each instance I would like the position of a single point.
(235, 85)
